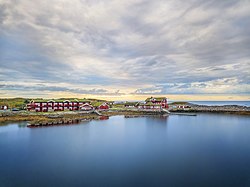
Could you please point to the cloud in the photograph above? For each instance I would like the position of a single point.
(225, 85)
(42, 87)
(138, 47)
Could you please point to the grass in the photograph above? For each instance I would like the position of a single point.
(55, 116)
(45, 117)
(179, 103)
(19, 103)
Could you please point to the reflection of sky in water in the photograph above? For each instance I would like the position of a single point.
(175, 151)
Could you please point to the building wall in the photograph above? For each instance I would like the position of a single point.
(53, 106)
(103, 107)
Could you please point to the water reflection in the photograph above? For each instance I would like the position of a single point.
(148, 151)
(22, 124)
(160, 120)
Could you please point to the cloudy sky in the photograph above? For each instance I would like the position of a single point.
(125, 48)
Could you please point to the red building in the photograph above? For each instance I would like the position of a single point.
(154, 103)
(86, 107)
(163, 101)
(149, 106)
(100, 105)
(103, 106)
(55, 105)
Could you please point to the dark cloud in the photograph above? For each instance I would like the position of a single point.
(41, 87)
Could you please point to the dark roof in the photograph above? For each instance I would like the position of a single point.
(156, 98)
(96, 104)
(86, 104)
(61, 100)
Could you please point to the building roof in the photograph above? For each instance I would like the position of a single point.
(98, 103)
(155, 98)
(86, 104)
(61, 100)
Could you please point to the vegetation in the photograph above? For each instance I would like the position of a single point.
(155, 98)
(179, 103)
(96, 103)
(117, 106)
(36, 117)
(19, 103)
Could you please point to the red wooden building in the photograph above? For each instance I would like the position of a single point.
(103, 106)
(61, 105)
(86, 107)
(55, 105)
(163, 101)
(155, 103)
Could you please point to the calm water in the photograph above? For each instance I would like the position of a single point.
(221, 103)
(206, 150)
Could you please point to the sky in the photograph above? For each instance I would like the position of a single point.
(125, 49)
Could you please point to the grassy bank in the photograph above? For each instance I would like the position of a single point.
(247, 113)
(45, 117)
(36, 117)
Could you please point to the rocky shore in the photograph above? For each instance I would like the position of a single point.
(230, 109)
(51, 117)
(34, 117)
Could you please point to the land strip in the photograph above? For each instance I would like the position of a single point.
(227, 109)
(36, 117)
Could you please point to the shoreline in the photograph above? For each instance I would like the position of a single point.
(34, 117)
(225, 109)
(38, 117)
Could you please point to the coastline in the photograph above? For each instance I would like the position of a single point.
(225, 109)
(36, 117)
